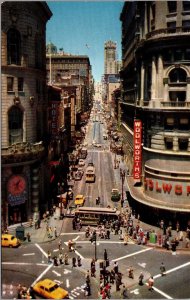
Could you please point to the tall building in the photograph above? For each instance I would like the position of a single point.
(110, 64)
(155, 118)
(24, 109)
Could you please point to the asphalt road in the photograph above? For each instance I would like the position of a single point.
(28, 263)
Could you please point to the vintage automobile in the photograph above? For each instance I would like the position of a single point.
(9, 240)
(49, 289)
(79, 200)
(81, 162)
(115, 195)
(78, 175)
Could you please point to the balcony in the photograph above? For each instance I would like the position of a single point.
(168, 32)
(22, 152)
(166, 104)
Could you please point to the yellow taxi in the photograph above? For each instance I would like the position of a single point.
(79, 200)
(49, 289)
(9, 240)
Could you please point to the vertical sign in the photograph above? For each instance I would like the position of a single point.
(54, 112)
(137, 150)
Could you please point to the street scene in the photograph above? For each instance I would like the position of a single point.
(95, 153)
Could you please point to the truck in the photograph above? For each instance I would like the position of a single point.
(115, 195)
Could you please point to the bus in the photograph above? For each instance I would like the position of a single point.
(90, 174)
(96, 215)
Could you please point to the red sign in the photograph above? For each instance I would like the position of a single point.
(54, 113)
(166, 187)
(137, 150)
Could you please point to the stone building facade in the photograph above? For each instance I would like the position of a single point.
(156, 91)
(24, 109)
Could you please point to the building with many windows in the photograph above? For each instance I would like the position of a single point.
(156, 98)
(23, 109)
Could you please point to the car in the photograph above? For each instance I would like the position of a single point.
(78, 175)
(115, 195)
(49, 289)
(79, 200)
(81, 162)
(9, 240)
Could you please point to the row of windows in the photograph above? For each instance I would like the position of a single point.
(172, 6)
(20, 85)
(172, 25)
(182, 143)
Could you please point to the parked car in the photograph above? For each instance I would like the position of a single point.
(9, 240)
(78, 175)
(79, 200)
(49, 289)
(81, 162)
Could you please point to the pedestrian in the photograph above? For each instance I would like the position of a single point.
(38, 223)
(55, 232)
(141, 277)
(87, 277)
(28, 237)
(66, 259)
(162, 269)
(19, 290)
(124, 294)
(93, 268)
(55, 261)
(105, 255)
(150, 283)
(117, 282)
(108, 234)
(60, 258)
(131, 275)
(60, 245)
(74, 224)
(73, 262)
(50, 232)
(115, 267)
(49, 257)
(112, 276)
(79, 261)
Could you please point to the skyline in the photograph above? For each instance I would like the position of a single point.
(79, 33)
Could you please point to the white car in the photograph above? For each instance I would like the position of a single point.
(81, 162)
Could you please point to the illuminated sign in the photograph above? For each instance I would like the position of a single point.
(137, 150)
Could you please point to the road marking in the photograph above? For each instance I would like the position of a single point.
(66, 271)
(143, 265)
(67, 283)
(132, 254)
(38, 246)
(136, 291)
(172, 270)
(79, 254)
(58, 274)
(28, 254)
(76, 238)
(162, 293)
(103, 242)
(42, 274)
(58, 282)
(72, 233)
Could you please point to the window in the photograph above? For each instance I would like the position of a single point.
(15, 117)
(13, 47)
(10, 84)
(187, 54)
(186, 5)
(177, 75)
(186, 25)
(169, 123)
(168, 143)
(172, 6)
(183, 144)
(177, 55)
(177, 96)
(20, 84)
(171, 27)
(184, 124)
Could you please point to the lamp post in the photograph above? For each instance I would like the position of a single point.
(122, 177)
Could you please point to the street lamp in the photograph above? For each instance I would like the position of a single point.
(122, 177)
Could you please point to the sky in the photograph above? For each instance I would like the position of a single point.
(82, 27)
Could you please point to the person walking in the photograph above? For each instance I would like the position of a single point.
(141, 277)
(79, 261)
(55, 232)
(60, 245)
(73, 262)
(105, 255)
(124, 294)
(93, 268)
(131, 275)
(115, 267)
(49, 257)
(60, 258)
(55, 261)
(162, 269)
(66, 259)
(112, 276)
(87, 277)
(150, 283)
(28, 237)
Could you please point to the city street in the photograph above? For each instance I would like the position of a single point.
(28, 264)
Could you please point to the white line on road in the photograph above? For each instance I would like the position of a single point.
(67, 283)
(162, 293)
(24, 264)
(28, 254)
(42, 274)
(132, 254)
(103, 242)
(58, 274)
(174, 269)
(72, 233)
(38, 246)
(79, 254)
(76, 238)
